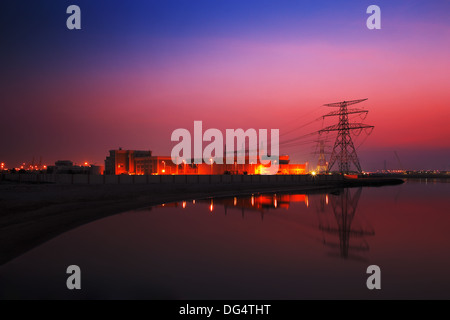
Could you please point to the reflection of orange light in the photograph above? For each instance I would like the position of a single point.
(211, 206)
(183, 204)
(235, 201)
(275, 203)
(326, 199)
(265, 200)
(307, 201)
(253, 200)
(193, 201)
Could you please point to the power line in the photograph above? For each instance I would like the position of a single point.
(344, 152)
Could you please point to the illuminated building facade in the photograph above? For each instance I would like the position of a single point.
(134, 162)
(250, 168)
(155, 165)
(124, 161)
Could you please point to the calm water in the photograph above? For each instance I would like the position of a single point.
(261, 247)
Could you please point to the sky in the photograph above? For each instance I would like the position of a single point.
(138, 70)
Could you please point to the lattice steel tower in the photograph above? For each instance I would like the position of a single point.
(322, 166)
(344, 152)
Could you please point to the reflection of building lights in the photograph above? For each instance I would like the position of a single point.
(193, 201)
(326, 199)
(183, 204)
(253, 201)
(275, 202)
(211, 206)
(306, 201)
(235, 201)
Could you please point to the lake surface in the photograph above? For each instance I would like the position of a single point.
(265, 246)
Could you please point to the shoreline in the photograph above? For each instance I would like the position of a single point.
(32, 214)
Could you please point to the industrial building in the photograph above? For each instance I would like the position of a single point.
(135, 162)
(124, 161)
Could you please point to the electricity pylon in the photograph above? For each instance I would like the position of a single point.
(322, 166)
(344, 152)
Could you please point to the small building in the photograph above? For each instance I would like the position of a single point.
(67, 167)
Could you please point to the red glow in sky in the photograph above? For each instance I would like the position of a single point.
(80, 94)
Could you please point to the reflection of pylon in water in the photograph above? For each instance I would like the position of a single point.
(321, 203)
(344, 209)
